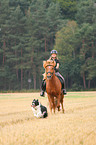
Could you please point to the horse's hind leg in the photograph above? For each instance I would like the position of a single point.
(59, 108)
(58, 102)
(62, 96)
(62, 108)
(53, 103)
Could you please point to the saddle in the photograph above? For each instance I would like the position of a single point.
(61, 80)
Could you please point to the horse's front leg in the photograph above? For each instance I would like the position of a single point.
(53, 104)
(50, 103)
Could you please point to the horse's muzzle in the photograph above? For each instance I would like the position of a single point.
(49, 77)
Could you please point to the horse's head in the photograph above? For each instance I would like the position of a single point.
(49, 67)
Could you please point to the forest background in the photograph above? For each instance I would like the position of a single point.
(30, 29)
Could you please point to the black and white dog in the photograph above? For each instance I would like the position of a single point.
(39, 110)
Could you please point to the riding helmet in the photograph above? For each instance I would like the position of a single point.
(53, 52)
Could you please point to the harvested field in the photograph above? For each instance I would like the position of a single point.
(77, 126)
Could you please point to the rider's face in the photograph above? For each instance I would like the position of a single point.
(53, 56)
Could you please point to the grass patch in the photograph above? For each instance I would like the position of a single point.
(13, 96)
(76, 127)
(84, 94)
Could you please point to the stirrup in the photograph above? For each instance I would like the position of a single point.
(64, 91)
(42, 94)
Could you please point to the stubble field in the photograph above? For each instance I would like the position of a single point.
(77, 126)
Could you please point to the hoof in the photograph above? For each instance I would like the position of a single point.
(63, 111)
(58, 108)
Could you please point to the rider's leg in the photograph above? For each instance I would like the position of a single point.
(63, 82)
(43, 85)
(43, 88)
(63, 87)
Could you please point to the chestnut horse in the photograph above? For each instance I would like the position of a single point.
(53, 86)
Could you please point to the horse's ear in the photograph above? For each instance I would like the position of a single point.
(44, 64)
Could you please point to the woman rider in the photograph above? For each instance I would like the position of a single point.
(56, 68)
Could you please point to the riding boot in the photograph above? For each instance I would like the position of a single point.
(64, 91)
(62, 80)
(42, 93)
(63, 88)
(43, 88)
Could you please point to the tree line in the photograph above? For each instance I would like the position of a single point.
(30, 29)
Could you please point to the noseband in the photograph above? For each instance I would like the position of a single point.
(49, 72)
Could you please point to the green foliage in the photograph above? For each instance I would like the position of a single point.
(64, 40)
(30, 29)
(68, 8)
(86, 12)
(27, 34)
(91, 68)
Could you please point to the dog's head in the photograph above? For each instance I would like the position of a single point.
(35, 103)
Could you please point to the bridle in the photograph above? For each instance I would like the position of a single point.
(49, 72)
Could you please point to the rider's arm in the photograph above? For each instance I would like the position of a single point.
(57, 67)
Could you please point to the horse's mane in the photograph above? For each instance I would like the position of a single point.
(49, 63)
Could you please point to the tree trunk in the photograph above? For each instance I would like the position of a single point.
(89, 84)
(16, 65)
(21, 79)
(67, 80)
(4, 51)
(92, 50)
(45, 45)
(34, 78)
(84, 82)
(21, 71)
(71, 83)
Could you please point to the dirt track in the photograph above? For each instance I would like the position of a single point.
(77, 126)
